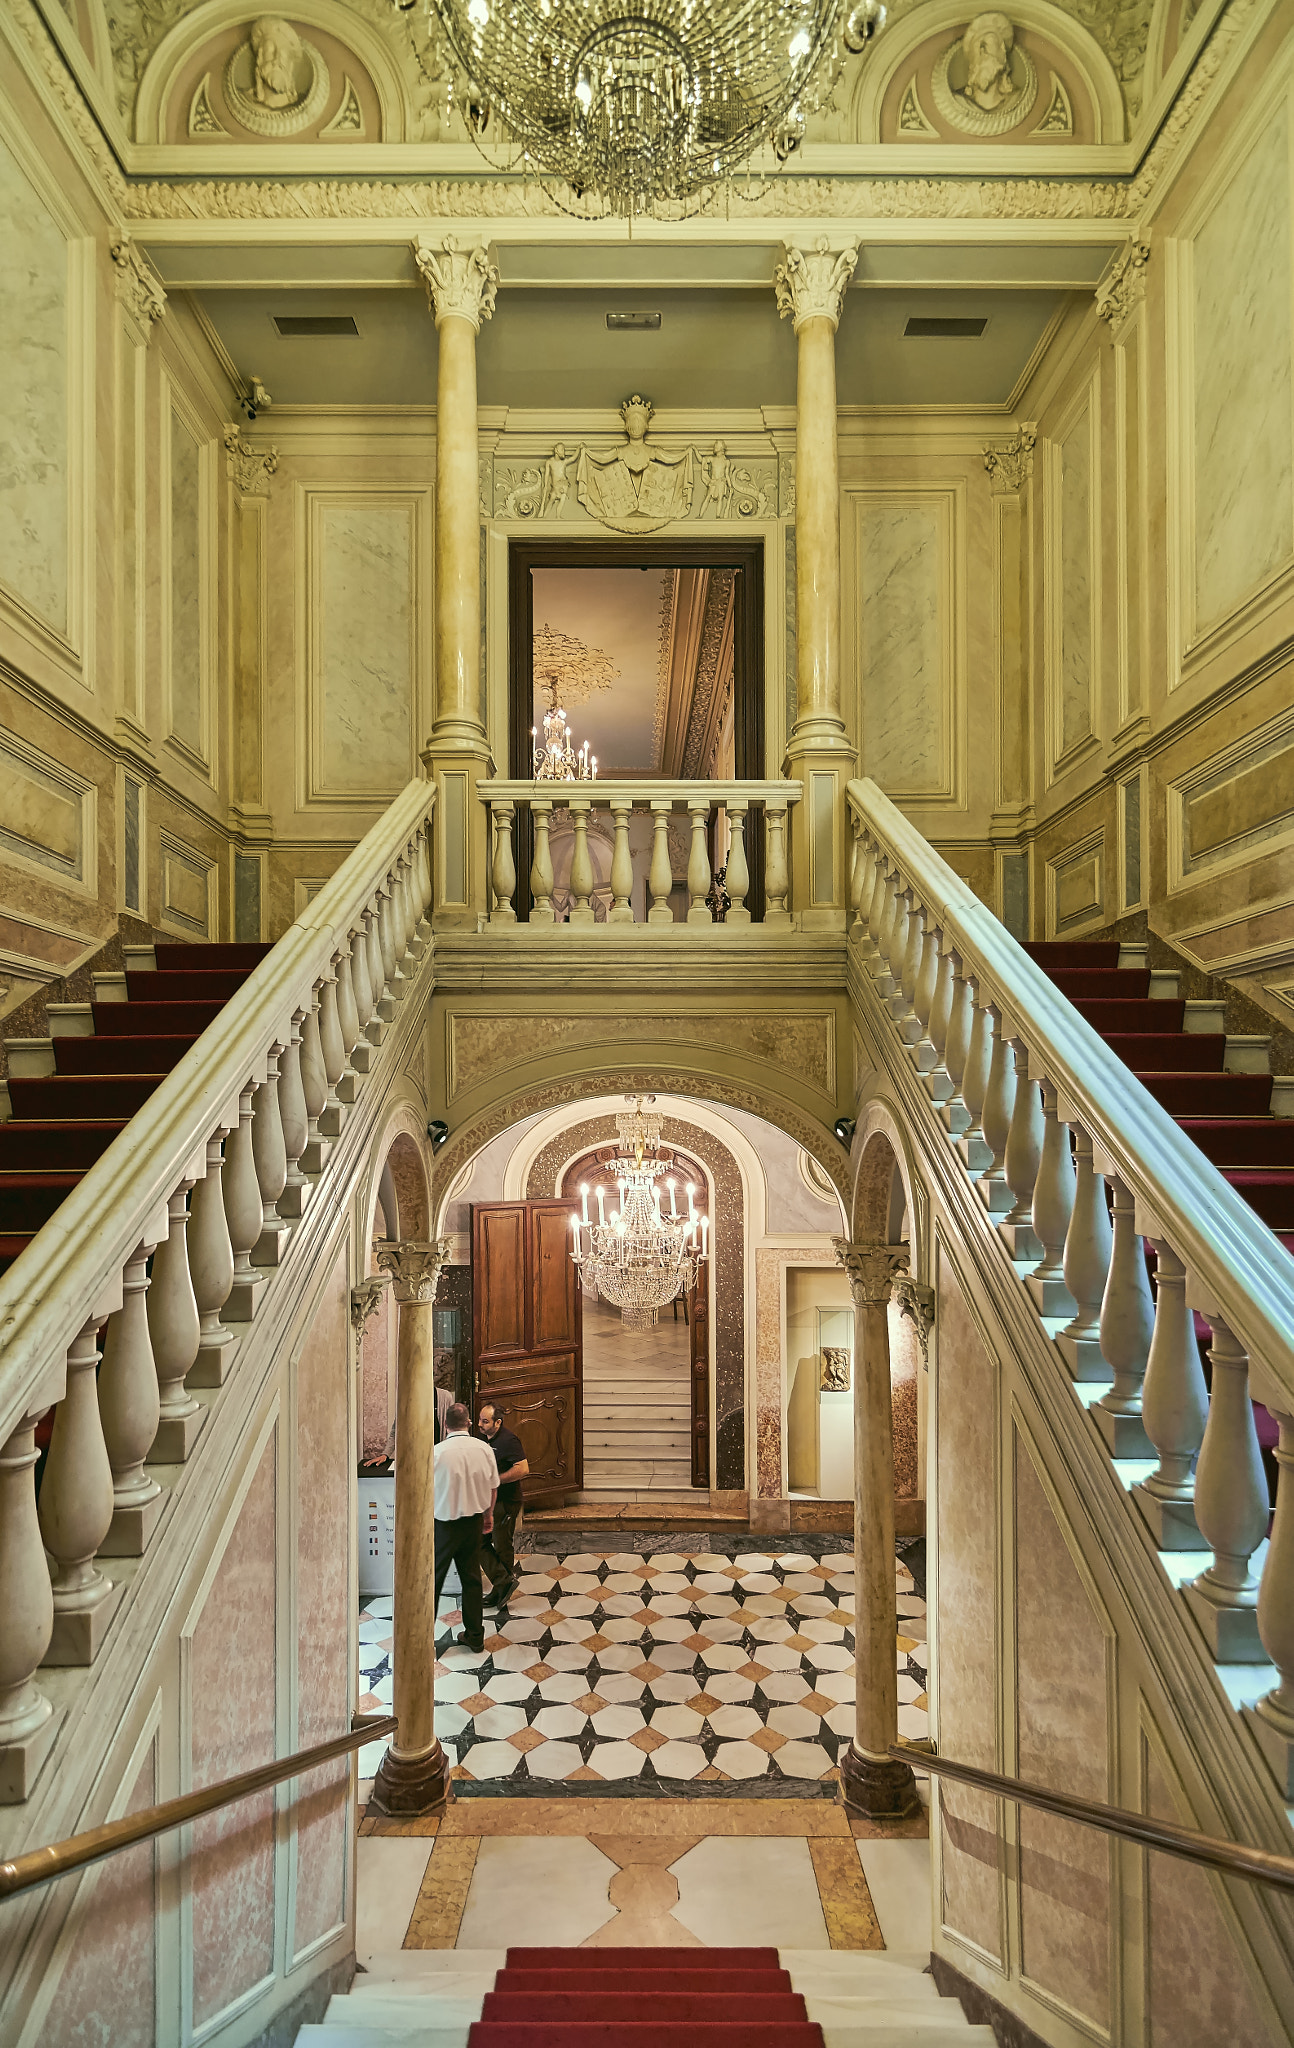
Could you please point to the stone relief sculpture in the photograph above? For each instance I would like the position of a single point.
(635, 489)
(836, 1367)
(716, 475)
(557, 482)
(276, 83)
(985, 84)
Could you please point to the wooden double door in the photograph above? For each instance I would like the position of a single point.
(527, 1337)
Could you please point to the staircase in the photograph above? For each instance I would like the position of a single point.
(646, 1998)
(637, 1407)
(70, 1094)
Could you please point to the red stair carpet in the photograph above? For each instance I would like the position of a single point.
(643, 1998)
(63, 1121)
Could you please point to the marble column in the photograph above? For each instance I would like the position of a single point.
(461, 288)
(871, 1780)
(413, 1776)
(810, 287)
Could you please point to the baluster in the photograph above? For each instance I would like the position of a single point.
(1053, 1205)
(1272, 1720)
(295, 1118)
(904, 998)
(857, 875)
(361, 983)
(399, 923)
(422, 877)
(314, 1084)
(737, 881)
(1127, 1325)
(660, 878)
(76, 1506)
(961, 1012)
(898, 946)
(174, 1332)
(397, 983)
(1023, 1157)
(932, 1052)
(582, 877)
(243, 1211)
(1174, 1409)
(386, 939)
(1231, 1506)
(698, 862)
(878, 906)
(972, 1145)
(27, 1605)
(348, 1026)
(211, 1262)
(334, 1053)
(408, 893)
(995, 1117)
(923, 998)
(503, 875)
(270, 1154)
(776, 877)
(383, 1004)
(1087, 1264)
(622, 868)
(541, 868)
(130, 1405)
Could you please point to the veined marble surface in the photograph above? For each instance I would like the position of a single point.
(900, 582)
(1076, 584)
(363, 676)
(1244, 486)
(186, 616)
(33, 399)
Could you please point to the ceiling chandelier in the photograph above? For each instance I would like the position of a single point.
(638, 102)
(556, 760)
(640, 1258)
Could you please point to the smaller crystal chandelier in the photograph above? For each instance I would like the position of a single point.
(557, 760)
(640, 1258)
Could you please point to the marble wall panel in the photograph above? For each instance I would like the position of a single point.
(904, 574)
(33, 398)
(233, 1694)
(967, 1613)
(1243, 401)
(1075, 596)
(323, 1485)
(378, 1415)
(362, 602)
(106, 1996)
(1061, 1715)
(185, 541)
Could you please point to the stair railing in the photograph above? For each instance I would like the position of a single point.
(207, 1181)
(1014, 1073)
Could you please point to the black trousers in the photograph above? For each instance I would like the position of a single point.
(460, 1543)
(499, 1549)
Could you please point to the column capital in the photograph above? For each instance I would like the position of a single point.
(366, 1300)
(812, 286)
(414, 1267)
(462, 281)
(872, 1268)
(1010, 463)
(248, 469)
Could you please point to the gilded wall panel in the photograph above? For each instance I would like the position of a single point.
(481, 1046)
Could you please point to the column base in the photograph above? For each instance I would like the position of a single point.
(409, 1785)
(883, 1788)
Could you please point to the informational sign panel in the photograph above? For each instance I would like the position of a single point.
(377, 1534)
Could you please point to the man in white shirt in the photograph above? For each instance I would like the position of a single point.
(465, 1477)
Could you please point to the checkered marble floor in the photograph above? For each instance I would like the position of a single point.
(659, 1668)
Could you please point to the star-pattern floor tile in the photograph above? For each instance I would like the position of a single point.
(658, 1670)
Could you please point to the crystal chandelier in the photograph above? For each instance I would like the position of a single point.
(640, 1258)
(654, 100)
(557, 760)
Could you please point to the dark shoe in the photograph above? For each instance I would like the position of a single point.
(476, 1645)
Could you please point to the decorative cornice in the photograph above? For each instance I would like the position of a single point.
(461, 281)
(1124, 285)
(250, 469)
(365, 1301)
(872, 1269)
(414, 1267)
(139, 288)
(813, 287)
(1010, 463)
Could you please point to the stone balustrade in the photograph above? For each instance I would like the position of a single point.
(207, 1182)
(1090, 1183)
(577, 810)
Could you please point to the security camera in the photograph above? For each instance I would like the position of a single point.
(437, 1132)
(862, 23)
(844, 1129)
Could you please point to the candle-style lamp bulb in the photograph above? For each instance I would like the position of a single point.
(584, 1194)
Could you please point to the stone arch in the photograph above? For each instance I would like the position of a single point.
(1073, 55)
(399, 1179)
(886, 1185)
(175, 64)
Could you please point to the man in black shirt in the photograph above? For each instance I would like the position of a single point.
(498, 1549)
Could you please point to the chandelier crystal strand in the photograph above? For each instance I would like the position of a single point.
(656, 101)
(640, 1258)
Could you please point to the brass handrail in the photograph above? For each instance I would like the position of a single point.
(1262, 1866)
(39, 1866)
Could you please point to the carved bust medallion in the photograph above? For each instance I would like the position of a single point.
(276, 83)
(985, 84)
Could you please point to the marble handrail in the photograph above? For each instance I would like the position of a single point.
(621, 796)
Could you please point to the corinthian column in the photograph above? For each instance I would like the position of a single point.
(810, 288)
(414, 1774)
(871, 1780)
(461, 287)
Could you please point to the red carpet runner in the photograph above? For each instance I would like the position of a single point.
(643, 1998)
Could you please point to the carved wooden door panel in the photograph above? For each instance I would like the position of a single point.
(527, 1337)
(699, 1331)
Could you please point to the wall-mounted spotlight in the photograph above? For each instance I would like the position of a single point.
(844, 1129)
(255, 399)
(437, 1132)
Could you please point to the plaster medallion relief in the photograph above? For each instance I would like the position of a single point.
(985, 83)
(276, 83)
(637, 488)
(480, 1047)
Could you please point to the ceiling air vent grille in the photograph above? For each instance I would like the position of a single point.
(927, 327)
(616, 322)
(299, 324)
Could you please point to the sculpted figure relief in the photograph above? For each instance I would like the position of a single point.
(276, 52)
(985, 84)
(636, 489)
(276, 83)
